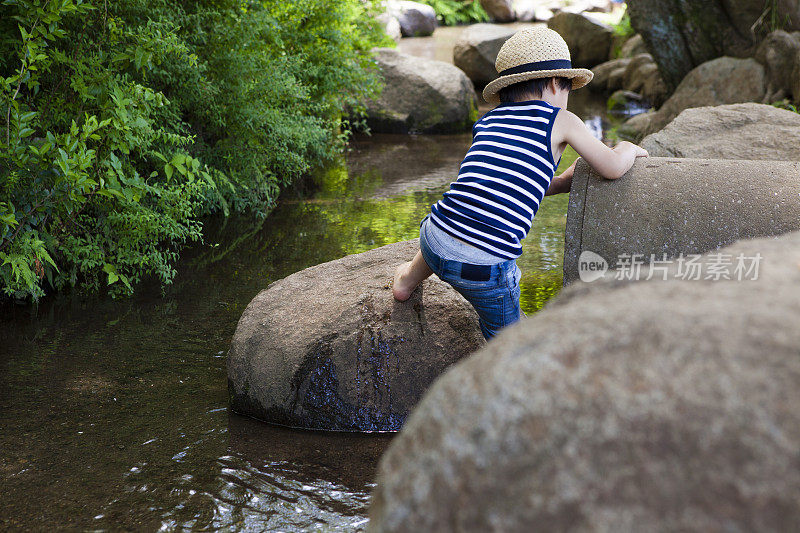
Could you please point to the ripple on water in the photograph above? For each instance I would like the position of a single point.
(271, 497)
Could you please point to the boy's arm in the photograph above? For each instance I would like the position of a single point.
(609, 163)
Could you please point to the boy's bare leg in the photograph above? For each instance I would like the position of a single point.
(408, 276)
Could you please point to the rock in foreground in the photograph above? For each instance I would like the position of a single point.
(677, 206)
(421, 96)
(329, 348)
(736, 131)
(641, 406)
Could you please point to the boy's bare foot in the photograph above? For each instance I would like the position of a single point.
(408, 276)
(401, 288)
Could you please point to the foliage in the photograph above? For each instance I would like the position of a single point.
(786, 104)
(125, 121)
(623, 28)
(453, 12)
(772, 18)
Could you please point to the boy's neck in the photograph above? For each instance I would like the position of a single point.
(531, 96)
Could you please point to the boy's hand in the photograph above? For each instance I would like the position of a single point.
(638, 150)
(567, 174)
(562, 183)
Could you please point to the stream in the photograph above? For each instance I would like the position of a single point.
(114, 414)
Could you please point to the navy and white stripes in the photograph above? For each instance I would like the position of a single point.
(502, 179)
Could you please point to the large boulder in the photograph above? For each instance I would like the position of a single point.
(633, 47)
(779, 53)
(724, 80)
(682, 34)
(588, 39)
(632, 79)
(499, 10)
(642, 76)
(638, 74)
(421, 96)
(609, 76)
(794, 82)
(391, 26)
(588, 6)
(476, 50)
(621, 406)
(416, 19)
(534, 10)
(665, 206)
(737, 131)
(329, 348)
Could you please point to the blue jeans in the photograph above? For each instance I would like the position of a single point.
(493, 290)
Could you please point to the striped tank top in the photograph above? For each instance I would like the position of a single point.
(502, 179)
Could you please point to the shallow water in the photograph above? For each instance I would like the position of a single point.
(114, 413)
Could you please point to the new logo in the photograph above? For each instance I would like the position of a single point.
(591, 266)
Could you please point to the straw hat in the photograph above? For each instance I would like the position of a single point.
(537, 52)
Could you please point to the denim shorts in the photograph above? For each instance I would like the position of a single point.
(492, 289)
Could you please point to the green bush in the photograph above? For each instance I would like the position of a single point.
(788, 105)
(125, 121)
(453, 12)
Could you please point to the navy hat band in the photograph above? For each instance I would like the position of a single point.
(550, 64)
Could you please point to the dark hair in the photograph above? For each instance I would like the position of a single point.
(524, 89)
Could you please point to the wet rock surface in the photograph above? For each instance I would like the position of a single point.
(621, 406)
(476, 51)
(737, 131)
(665, 206)
(421, 96)
(329, 348)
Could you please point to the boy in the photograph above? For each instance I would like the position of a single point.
(471, 238)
